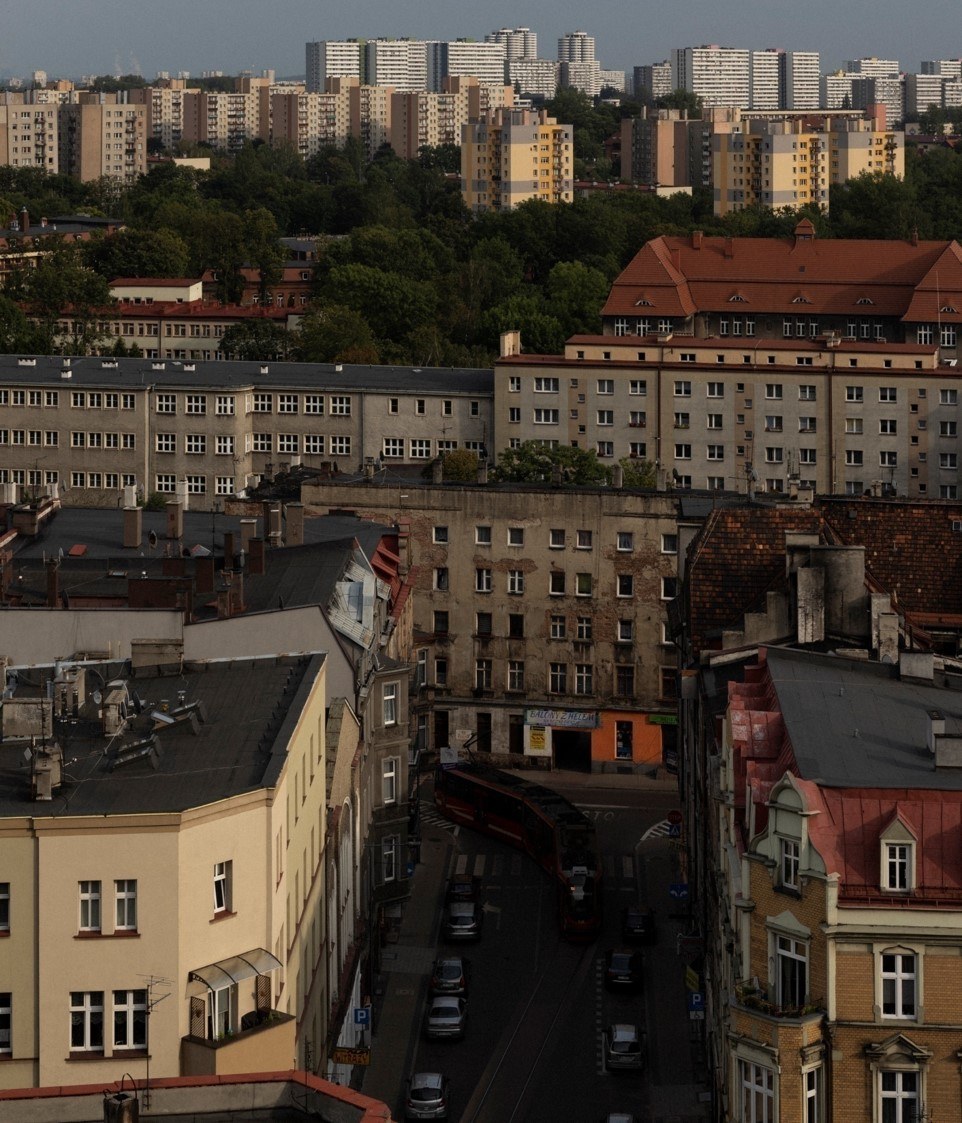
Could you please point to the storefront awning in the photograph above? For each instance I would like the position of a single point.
(257, 961)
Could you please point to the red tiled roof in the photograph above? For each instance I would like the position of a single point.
(157, 282)
(679, 275)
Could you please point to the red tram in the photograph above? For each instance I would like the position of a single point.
(544, 824)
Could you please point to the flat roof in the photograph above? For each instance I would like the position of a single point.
(855, 724)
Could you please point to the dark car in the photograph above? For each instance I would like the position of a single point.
(462, 887)
(638, 925)
(450, 976)
(427, 1096)
(623, 969)
(446, 1017)
(462, 921)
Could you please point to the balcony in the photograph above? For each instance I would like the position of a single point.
(264, 1042)
(758, 1000)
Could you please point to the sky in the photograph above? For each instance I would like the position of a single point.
(68, 38)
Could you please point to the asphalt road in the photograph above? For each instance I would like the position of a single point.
(537, 1005)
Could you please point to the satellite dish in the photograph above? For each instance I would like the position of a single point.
(98, 697)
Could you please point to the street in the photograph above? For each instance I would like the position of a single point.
(537, 1004)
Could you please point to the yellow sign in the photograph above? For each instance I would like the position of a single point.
(343, 1055)
(691, 978)
(536, 738)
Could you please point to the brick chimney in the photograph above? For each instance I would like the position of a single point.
(255, 558)
(175, 519)
(204, 574)
(272, 525)
(248, 531)
(294, 513)
(24, 221)
(229, 549)
(133, 527)
(53, 583)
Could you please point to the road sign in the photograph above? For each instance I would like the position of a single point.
(674, 830)
(675, 817)
(678, 890)
(696, 1006)
(344, 1056)
(362, 1015)
(691, 979)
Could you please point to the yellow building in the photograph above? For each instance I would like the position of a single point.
(512, 155)
(793, 162)
(163, 869)
(103, 139)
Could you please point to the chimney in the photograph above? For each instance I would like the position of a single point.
(248, 531)
(696, 237)
(223, 595)
(133, 527)
(228, 549)
(274, 531)
(175, 519)
(24, 221)
(437, 470)
(617, 477)
(294, 514)
(936, 729)
(237, 593)
(729, 247)
(266, 509)
(53, 583)
(482, 472)
(255, 558)
(204, 574)
(510, 343)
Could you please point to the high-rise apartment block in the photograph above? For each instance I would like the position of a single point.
(399, 63)
(765, 90)
(652, 82)
(103, 138)
(718, 75)
(518, 42)
(533, 76)
(429, 119)
(801, 80)
(331, 58)
(949, 67)
(513, 155)
(576, 46)
(873, 67)
(29, 136)
(464, 58)
(584, 76)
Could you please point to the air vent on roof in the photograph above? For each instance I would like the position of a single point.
(109, 364)
(148, 749)
(265, 369)
(66, 373)
(26, 362)
(190, 366)
(158, 366)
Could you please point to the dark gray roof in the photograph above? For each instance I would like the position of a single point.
(47, 370)
(854, 724)
(251, 708)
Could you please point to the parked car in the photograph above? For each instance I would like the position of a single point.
(638, 925)
(447, 1017)
(427, 1096)
(462, 920)
(450, 976)
(462, 887)
(618, 1117)
(623, 969)
(623, 1047)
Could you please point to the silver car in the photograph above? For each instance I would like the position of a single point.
(446, 1017)
(427, 1096)
(462, 921)
(623, 1047)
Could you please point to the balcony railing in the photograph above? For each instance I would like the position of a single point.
(760, 999)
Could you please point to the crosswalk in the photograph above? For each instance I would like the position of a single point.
(619, 869)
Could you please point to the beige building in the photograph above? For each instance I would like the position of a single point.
(103, 138)
(29, 136)
(432, 119)
(169, 104)
(539, 617)
(205, 431)
(513, 155)
(174, 912)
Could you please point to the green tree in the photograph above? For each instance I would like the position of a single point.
(392, 304)
(336, 333)
(874, 205)
(16, 332)
(460, 466)
(264, 250)
(256, 340)
(62, 286)
(681, 99)
(575, 294)
(138, 253)
(638, 474)
(563, 465)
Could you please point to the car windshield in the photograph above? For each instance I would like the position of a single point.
(425, 1094)
(444, 1010)
(621, 962)
(624, 1047)
(450, 971)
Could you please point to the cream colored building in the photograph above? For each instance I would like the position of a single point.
(512, 155)
(432, 119)
(165, 863)
(103, 138)
(168, 107)
(29, 136)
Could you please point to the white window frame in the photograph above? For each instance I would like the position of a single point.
(389, 858)
(389, 703)
(127, 1004)
(907, 1102)
(223, 887)
(125, 905)
(902, 976)
(787, 950)
(390, 771)
(898, 866)
(91, 907)
(87, 1004)
(756, 1092)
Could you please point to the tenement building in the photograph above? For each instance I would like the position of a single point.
(209, 430)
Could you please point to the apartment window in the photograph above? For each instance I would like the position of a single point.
(482, 535)
(546, 416)
(853, 426)
(812, 1092)
(854, 458)
(716, 389)
(637, 449)
(807, 455)
(791, 967)
(440, 672)
(6, 1023)
(853, 393)
(806, 393)
(165, 442)
(197, 403)
(626, 631)
(420, 449)
(340, 405)
(287, 403)
(514, 415)
(714, 421)
(441, 535)
(898, 974)
(948, 460)
(625, 585)
(899, 1096)
(515, 582)
(683, 452)
(392, 448)
(756, 1093)
(514, 384)
(89, 906)
(682, 420)
(224, 405)
(556, 539)
(165, 483)
(483, 674)
(389, 699)
(77, 439)
(948, 428)
(125, 899)
(389, 858)
(773, 423)
(263, 442)
(441, 578)
(223, 485)
(515, 625)
(224, 446)
(947, 491)
(314, 404)
(195, 444)
(948, 397)
(682, 388)
(606, 386)
(606, 417)
(715, 452)
(130, 1019)
(86, 1021)
(888, 458)
(51, 438)
(223, 887)
(126, 401)
(773, 390)
(166, 403)
(556, 583)
(389, 779)
(483, 623)
(440, 623)
(546, 385)
(483, 582)
(4, 908)
(559, 627)
(897, 867)
(624, 681)
(196, 485)
(288, 442)
(515, 674)
(584, 678)
(515, 535)
(558, 678)
(638, 387)
(789, 863)
(128, 440)
(625, 541)
(669, 588)
(887, 394)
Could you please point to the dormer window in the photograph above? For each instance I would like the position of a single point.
(897, 874)
(865, 300)
(788, 864)
(736, 298)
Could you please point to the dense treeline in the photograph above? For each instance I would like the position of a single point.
(406, 274)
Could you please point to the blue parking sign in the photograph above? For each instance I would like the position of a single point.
(362, 1015)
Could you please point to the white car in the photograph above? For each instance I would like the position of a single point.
(427, 1096)
(623, 1047)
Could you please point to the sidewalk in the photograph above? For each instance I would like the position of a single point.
(405, 968)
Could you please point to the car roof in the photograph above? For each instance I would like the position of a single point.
(427, 1080)
(445, 1000)
(622, 1031)
(453, 960)
(462, 908)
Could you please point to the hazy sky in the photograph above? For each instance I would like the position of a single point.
(73, 37)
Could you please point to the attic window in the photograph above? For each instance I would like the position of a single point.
(801, 300)
(643, 302)
(948, 308)
(865, 300)
(897, 874)
(736, 298)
